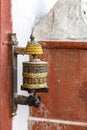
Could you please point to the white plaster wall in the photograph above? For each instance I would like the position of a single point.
(65, 22)
(84, 9)
(25, 14)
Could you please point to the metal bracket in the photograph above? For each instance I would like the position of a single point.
(20, 50)
(32, 100)
(15, 99)
(13, 40)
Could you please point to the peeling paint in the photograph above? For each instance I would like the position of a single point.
(43, 110)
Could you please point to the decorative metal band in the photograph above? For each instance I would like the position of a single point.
(34, 69)
(34, 49)
(35, 86)
(35, 75)
(41, 64)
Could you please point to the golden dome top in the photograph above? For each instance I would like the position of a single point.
(33, 47)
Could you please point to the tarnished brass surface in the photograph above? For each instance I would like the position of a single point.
(35, 86)
(35, 75)
(41, 63)
(34, 49)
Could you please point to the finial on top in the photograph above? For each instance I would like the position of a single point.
(32, 37)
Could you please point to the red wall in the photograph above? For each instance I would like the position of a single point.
(5, 66)
(67, 81)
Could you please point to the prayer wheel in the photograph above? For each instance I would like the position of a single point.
(35, 70)
(35, 76)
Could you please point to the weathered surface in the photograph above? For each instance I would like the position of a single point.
(67, 81)
(41, 125)
(64, 22)
(5, 66)
(65, 106)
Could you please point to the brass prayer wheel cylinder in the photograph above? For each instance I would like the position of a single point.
(35, 76)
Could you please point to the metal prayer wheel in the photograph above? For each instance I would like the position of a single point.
(34, 73)
(35, 76)
(35, 70)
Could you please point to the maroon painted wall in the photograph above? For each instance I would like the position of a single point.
(67, 81)
(5, 66)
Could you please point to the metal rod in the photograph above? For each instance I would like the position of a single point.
(14, 81)
(20, 99)
(13, 40)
